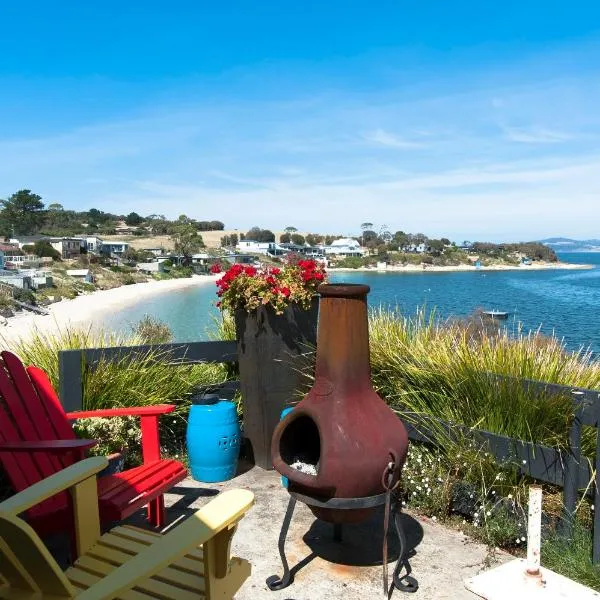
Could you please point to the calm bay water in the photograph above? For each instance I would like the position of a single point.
(566, 303)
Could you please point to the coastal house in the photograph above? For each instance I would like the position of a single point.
(17, 259)
(93, 244)
(81, 274)
(151, 267)
(39, 278)
(344, 247)
(154, 251)
(67, 247)
(267, 248)
(114, 248)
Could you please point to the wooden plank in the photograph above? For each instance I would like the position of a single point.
(85, 514)
(180, 353)
(540, 462)
(70, 379)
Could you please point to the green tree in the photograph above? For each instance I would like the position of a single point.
(55, 207)
(313, 239)
(285, 238)
(22, 213)
(133, 219)
(290, 230)
(42, 248)
(298, 239)
(187, 241)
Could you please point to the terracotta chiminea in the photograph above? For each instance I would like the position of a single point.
(342, 435)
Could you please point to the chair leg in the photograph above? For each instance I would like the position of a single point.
(156, 512)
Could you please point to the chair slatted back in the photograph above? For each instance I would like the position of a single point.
(25, 562)
(27, 415)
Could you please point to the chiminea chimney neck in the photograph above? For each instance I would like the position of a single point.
(343, 337)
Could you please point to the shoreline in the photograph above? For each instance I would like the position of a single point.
(540, 266)
(89, 309)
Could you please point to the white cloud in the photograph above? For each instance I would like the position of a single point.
(536, 135)
(385, 138)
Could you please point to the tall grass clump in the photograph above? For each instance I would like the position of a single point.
(425, 366)
(144, 379)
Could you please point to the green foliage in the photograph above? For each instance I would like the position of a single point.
(298, 239)
(260, 235)
(428, 367)
(24, 295)
(144, 380)
(21, 214)
(44, 248)
(572, 557)
(350, 262)
(134, 219)
(187, 240)
(152, 331)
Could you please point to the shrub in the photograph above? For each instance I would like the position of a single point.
(152, 331)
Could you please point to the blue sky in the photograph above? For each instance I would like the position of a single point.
(469, 119)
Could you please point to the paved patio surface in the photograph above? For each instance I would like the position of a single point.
(351, 570)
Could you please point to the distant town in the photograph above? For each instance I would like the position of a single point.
(49, 253)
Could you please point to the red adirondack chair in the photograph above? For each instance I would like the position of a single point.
(37, 440)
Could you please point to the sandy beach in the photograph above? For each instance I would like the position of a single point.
(90, 309)
(537, 266)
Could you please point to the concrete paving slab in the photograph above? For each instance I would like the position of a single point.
(325, 570)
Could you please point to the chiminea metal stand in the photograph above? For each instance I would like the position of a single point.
(404, 583)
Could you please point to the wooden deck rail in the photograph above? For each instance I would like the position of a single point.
(73, 363)
(565, 468)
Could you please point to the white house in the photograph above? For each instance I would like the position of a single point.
(344, 247)
(67, 247)
(270, 248)
(114, 248)
(93, 244)
(82, 274)
(151, 267)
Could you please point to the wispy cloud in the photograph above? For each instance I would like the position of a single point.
(536, 135)
(385, 138)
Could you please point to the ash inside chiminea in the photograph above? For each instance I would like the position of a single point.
(301, 446)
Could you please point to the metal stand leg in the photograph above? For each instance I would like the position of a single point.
(275, 582)
(337, 532)
(404, 583)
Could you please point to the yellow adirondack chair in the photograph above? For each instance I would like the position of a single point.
(192, 561)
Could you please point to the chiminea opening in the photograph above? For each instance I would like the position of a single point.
(300, 445)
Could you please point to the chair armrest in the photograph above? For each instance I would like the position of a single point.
(222, 512)
(51, 446)
(133, 411)
(59, 482)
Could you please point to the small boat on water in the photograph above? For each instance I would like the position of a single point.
(495, 314)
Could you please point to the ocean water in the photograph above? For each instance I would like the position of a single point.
(565, 303)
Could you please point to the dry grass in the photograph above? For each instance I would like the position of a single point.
(212, 239)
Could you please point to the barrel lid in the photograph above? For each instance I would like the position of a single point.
(203, 399)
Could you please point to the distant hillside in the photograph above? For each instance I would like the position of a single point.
(560, 244)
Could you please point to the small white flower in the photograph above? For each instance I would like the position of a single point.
(524, 462)
(470, 495)
(518, 541)
(434, 518)
(464, 521)
(592, 507)
(476, 515)
(510, 496)
(523, 538)
(488, 513)
(493, 493)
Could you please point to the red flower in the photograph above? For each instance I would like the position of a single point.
(284, 291)
(216, 268)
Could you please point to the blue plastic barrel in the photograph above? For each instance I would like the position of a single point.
(284, 412)
(213, 438)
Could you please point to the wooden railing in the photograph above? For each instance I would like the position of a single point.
(565, 468)
(73, 363)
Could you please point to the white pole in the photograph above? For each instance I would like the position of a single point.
(534, 530)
